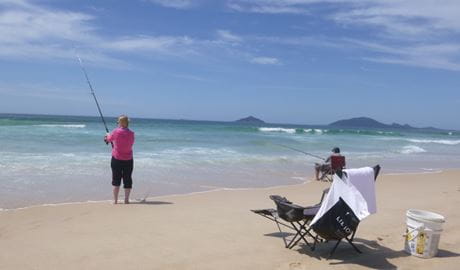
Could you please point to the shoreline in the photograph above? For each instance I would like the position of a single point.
(155, 197)
(209, 191)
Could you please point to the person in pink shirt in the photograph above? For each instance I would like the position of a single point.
(122, 162)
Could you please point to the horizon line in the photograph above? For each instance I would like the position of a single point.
(234, 121)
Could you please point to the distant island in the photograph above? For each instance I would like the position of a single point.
(357, 122)
(250, 120)
(366, 122)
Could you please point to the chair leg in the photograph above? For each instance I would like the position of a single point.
(295, 240)
(315, 241)
(354, 232)
(338, 242)
(335, 247)
(353, 245)
(302, 236)
(299, 233)
(286, 245)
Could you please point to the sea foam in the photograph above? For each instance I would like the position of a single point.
(448, 142)
(412, 149)
(278, 129)
(62, 126)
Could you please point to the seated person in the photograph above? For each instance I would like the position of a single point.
(326, 166)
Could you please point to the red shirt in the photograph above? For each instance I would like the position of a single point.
(123, 140)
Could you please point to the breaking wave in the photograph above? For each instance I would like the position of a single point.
(448, 142)
(278, 129)
(62, 126)
(293, 130)
(412, 149)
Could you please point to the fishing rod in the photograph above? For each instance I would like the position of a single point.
(94, 96)
(303, 152)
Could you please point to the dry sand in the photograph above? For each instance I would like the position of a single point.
(216, 230)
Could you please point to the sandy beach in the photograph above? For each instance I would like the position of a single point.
(216, 230)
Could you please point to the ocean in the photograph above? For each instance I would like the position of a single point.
(59, 159)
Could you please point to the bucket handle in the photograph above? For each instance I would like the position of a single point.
(421, 227)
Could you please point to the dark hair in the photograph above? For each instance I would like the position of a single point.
(336, 150)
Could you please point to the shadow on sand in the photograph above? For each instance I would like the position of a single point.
(374, 256)
(286, 236)
(446, 254)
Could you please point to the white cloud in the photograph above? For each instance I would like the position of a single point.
(437, 63)
(29, 31)
(36, 24)
(416, 33)
(226, 35)
(268, 7)
(179, 4)
(265, 60)
(35, 32)
(394, 16)
(302, 41)
(148, 43)
(412, 18)
(441, 56)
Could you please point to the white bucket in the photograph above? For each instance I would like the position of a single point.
(423, 233)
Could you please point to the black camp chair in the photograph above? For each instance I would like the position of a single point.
(294, 217)
(298, 219)
(340, 223)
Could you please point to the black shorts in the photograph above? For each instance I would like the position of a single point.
(122, 169)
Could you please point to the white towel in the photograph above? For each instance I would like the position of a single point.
(363, 180)
(348, 193)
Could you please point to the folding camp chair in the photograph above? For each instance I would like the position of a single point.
(337, 165)
(294, 217)
(344, 220)
(294, 214)
(288, 215)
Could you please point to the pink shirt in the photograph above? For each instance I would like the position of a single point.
(123, 140)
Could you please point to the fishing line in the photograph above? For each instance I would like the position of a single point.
(298, 150)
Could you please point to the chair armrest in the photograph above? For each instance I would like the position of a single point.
(311, 210)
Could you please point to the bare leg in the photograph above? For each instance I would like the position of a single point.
(127, 191)
(116, 190)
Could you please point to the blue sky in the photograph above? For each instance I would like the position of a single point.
(285, 61)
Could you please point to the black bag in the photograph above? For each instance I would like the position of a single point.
(337, 223)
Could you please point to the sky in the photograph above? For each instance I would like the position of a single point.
(284, 61)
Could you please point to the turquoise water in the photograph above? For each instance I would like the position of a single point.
(53, 159)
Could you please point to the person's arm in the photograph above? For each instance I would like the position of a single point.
(328, 159)
(110, 137)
